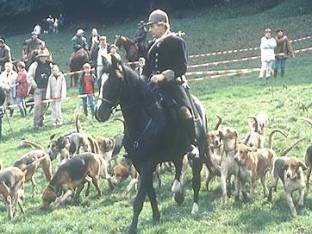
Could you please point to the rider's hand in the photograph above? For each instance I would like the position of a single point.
(157, 78)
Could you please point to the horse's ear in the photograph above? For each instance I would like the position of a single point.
(116, 65)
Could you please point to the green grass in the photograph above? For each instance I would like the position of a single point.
(233, 98)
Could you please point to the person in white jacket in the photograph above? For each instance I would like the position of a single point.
(267, 46)
(8, 82)
(56, 90)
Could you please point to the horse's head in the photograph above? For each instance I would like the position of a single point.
(110, 90)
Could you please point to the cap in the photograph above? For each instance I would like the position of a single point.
(102, 38)
(43, 53)
(158, 17)
(21, 64)
(267, 30)
(80, 31)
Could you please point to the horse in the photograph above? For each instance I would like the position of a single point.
(152, 134)
(2, 100)
(131, 48)
(76, 61)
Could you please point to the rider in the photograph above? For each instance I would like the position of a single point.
(140, 38)
(32, 44)
(166, 65)
(79, 41)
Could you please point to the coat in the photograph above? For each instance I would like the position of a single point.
(56, 87)
(283, 48)
(5, 56)
(267, 47)
(81, 83)
(168, 55)
(22, 85)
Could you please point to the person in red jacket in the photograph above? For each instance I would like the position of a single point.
(21, 88)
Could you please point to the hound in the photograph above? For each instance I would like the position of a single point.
(11, 189)
(71, 176)
(290, 171)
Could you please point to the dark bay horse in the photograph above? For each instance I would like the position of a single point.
(2, 100)
(152, 134)
(131, 48)
(76, 61)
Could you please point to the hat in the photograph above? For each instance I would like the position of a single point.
(158, 17)
(43, 53)
(113, 46)
(2, 40)
(102, 38)
(79, 31)
(267, 30)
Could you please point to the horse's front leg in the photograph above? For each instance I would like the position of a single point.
(196, 169)
(145, 186)
(176, 188)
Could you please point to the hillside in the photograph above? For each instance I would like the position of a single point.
(233, 98)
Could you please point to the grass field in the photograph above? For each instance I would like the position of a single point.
(233, 98)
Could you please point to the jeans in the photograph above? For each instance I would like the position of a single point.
(279, 63)
(40, 108)
(21, 105)
(88, 100)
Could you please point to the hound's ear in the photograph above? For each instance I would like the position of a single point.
(52, 136)
(302, 165)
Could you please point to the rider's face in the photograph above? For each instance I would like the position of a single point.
(157, 30)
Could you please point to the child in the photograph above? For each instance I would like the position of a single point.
(56, 90)
(21, 88)
(87, 81)
(139, 69)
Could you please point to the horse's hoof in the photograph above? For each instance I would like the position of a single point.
(132, 230)
(179, 197)
(156, 217)
(195, 209)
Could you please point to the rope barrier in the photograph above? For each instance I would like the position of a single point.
(240, 50)
(238, 60)
(219, 72)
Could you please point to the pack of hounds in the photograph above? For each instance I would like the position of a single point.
(84, 159)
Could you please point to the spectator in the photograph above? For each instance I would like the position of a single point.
(56, 90)
(97, 55)
(282, 50)
(79, 41)
(8, 79)
(38, 75)
(21, 88)
(5, 54)
(140, 38)
(37, 30)
(87, 81)
(61, 20)
(56, 25)
(50, 22)
(139, 68)
(31, 45)
(267, 47)
(113, 51)
(94, 39)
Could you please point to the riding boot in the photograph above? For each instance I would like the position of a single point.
(193, 151)
(282, 72)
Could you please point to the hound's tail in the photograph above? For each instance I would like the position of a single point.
(271, 136)
(26, 143)
(285, 152)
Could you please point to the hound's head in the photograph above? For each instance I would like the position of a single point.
(49, 195)
(293, 169)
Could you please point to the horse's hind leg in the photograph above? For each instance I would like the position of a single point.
(176, 188)
(145, 184)
(196, 169)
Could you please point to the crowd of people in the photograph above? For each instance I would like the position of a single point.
(274, 52)
(37, 76)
